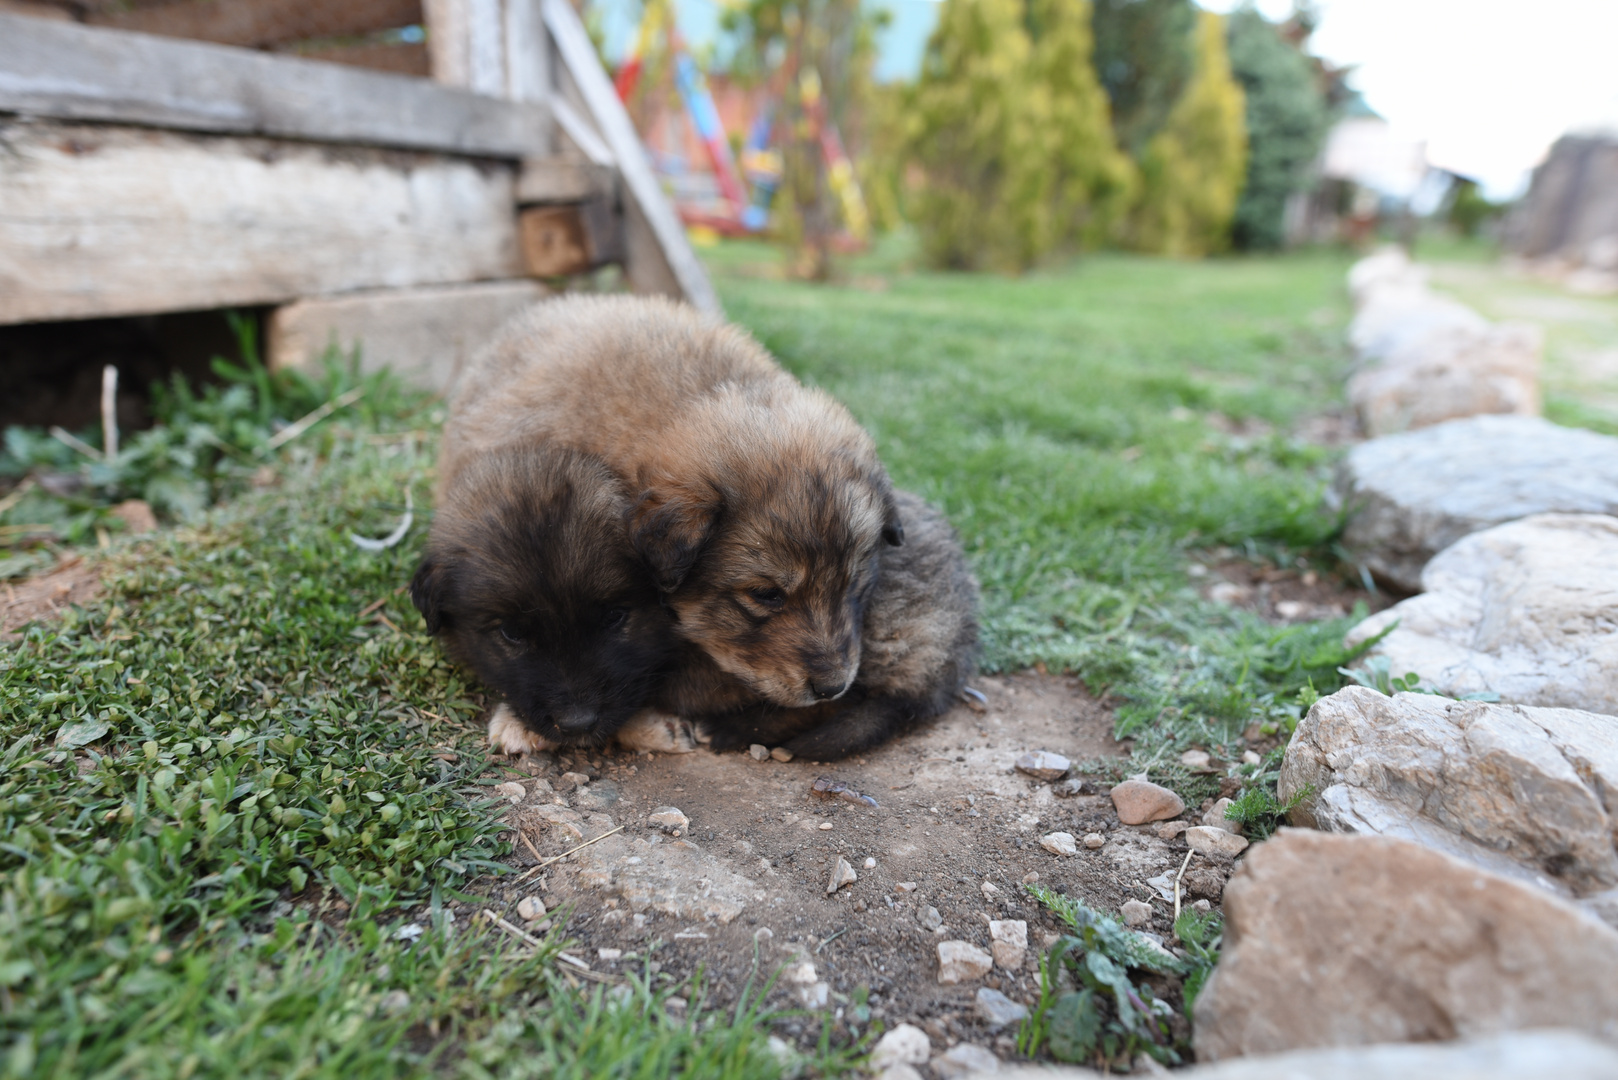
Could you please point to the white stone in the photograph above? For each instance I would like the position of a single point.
(1195, 759)
(1136, 912)
(1410, 496)
(930, 918)
(530, 908)
(758, 752)
(903, 1045)
(841, 874)
(781, 753)
(998, 1010)
(1044, 765)
(1008, 942)
(668, 817)
(1207, 840)
(962, 961)
(964, 1060)
(1353, 940)
(1215, 818)
(1059, 843)
(1526, 610)
(1094, 841)
(870, 863)
(512, 790)
(1525, 792)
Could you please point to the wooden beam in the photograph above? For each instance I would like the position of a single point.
(401, 58)
(553, 241)
(116, 221)
(66, 71)
(424, 335)
(555, 180)
(262, 22)
(643, 195)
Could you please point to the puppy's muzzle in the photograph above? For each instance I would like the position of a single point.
(826, 689)
(574, 720)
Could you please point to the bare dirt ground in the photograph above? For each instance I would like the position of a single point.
(744, 886)
(71, 581)
(1287, 594)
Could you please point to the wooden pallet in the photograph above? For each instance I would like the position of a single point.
(162, 157)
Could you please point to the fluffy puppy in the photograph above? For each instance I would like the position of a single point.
(530, 581)
(758, 505)
(920, 643)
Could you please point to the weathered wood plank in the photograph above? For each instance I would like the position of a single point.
(643, 194)
(556, 180)
(401, 57)
(113, 221)
(553, 241)
(66, 71)
(261, 22)
(424, 335)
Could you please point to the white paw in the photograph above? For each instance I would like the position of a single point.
(658, 732)
(508, 735)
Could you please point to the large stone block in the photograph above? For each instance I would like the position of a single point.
(1529, 793)
(1527, 610)
(1336, 941)
(1449, 372)
(1410, 496)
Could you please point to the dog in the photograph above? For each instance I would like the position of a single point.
(919, 647)
(757, 506)
(530, 581)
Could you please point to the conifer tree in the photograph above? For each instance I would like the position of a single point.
(1193, 169)
(1091, 182)
(978, 131)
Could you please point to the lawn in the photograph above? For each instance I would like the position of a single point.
(241, 796)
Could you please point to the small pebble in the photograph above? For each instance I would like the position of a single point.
(572, 780)
(1136, 912)
(1094, 840)
(989, 890)
(1203, 905)
(609, 954)
(962, 961)
(1140, 801)
(906, 886)
(930, 918)
(1170, 829)
(1215, 818)
(1059, 843)
(904, 1045)
(841, 874)
(1208, 840)
(512, 790)
(781, 753)
(1195, 759)
(530, 908)
(1008, 942)
(1066, 789)
(824, 825)
(998, 1010)
(758, 752)
(870, 863)
(1250, 757)
(964, 1059)
(1044, 765)
(1030, 877)
(668, 817)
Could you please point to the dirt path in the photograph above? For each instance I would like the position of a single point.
(72, 581)
(956, 830)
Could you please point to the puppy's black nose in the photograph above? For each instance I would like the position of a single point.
(574, 719)
(825, 691)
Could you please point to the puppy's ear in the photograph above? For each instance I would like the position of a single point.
(429, 589)
(893, 528)
(669, 527)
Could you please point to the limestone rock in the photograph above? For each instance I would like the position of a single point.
(1526, 610)
(1355, 940)
(668, 817)
(1141, 801)
(758, 752)
(1411, 496)
(1059, 843)
(1008, 942)
(1136, 913)
(903, 1045)
(998, 1010)
(1215, 818)
(1044, 765)
(1526, 792)
(841, 874)
(962, 961)
(1208, 840)
(964, 1059)
(1094, 841)
(1446, 372)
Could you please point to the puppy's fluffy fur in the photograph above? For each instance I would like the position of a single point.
(530, 580)
(758, 505)
(920, 642)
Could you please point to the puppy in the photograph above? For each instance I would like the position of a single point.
(530, 581)
(759, 506)
(920, 644)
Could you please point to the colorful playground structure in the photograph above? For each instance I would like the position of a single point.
(659, 71)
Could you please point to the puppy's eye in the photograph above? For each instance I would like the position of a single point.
(511, 635)
(613, 619)
(771, 597)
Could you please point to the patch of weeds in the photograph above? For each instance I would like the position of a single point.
(1377, 674)
(1201, 935)
(1093, 1006)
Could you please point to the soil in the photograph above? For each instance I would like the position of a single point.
(71, 581)
(744, 886)
(1287, 594)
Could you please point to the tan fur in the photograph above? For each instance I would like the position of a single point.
(742, 480)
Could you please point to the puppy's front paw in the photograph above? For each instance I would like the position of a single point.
(508, 735)
(659, 733)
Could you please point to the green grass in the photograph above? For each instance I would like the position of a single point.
(208, 875)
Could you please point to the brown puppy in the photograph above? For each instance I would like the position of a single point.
(530, 580)
(920, 642)
(759, 505)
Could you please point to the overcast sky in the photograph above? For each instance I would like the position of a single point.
(1489, 84)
